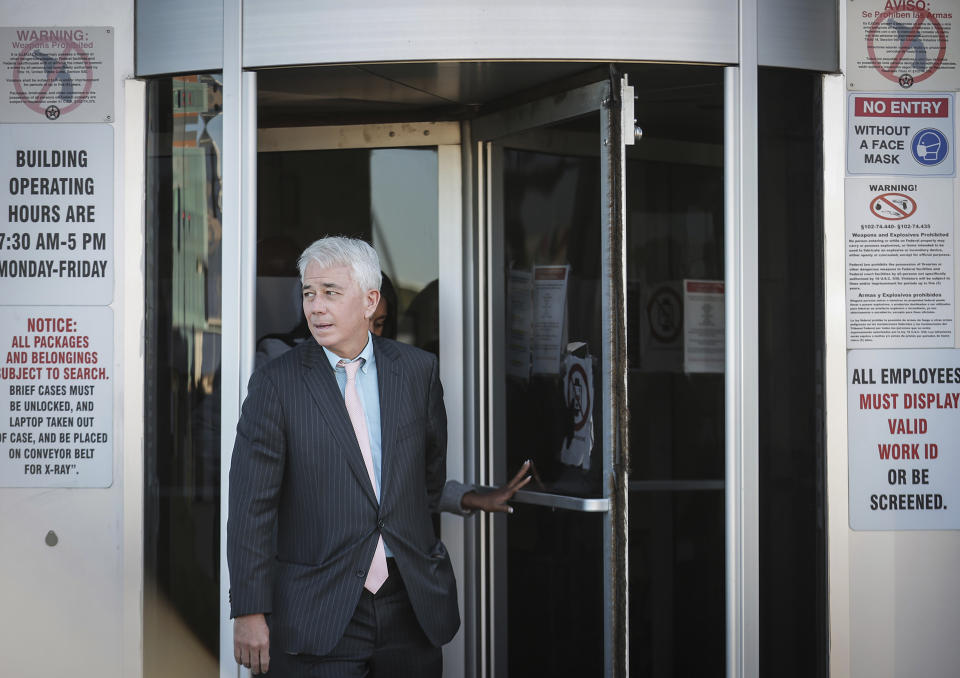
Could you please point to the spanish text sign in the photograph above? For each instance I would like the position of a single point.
(901, 45)
(57, 74)
(903, 134)
(56, 397)
(900, 263)
(56, 198)
(904, 439)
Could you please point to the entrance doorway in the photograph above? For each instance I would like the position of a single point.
(504, 199)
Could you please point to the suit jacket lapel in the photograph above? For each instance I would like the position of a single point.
(390, 385)
(322, 385)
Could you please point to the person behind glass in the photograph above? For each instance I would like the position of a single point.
(383, 323)
(338, 464)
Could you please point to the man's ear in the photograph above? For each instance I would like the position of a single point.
(372, 299)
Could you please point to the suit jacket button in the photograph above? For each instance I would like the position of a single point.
(360, 573)
(381, 524)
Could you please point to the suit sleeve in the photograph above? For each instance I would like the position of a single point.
(451, 501)
(436, 445)
(256, 475)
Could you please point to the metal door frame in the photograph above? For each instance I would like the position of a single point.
(239, 272)
(614, 102)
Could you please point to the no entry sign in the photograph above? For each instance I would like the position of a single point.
(901, 45)
(905, 134)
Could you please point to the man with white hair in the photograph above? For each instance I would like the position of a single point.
(339, 462)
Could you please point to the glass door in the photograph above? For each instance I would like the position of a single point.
(554, 385)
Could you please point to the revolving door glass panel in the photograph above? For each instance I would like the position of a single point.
(675, 338)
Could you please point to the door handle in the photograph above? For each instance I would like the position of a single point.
(559, 501)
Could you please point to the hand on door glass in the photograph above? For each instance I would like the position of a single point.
(251, 642)
(496, 500)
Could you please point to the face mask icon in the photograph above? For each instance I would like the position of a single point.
(928, 146)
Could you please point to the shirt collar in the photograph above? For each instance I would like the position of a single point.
(366, 354)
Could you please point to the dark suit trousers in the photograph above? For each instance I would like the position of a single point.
(382, 640)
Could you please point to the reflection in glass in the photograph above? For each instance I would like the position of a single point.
(551, 216)
(675, 236)
(385, 196)
(552, 284)
(182, 380)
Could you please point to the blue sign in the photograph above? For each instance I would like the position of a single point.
(929, 146)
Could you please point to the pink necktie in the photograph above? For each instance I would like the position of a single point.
(377, 574)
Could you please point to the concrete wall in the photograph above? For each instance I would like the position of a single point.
(74, 608)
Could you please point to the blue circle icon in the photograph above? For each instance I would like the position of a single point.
(929, 147)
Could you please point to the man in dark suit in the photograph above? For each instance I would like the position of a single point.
(339, 462)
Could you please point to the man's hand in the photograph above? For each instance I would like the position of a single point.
(251, 642)
(496, 500)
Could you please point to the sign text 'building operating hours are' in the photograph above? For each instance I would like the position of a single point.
(56, 396)
(56, 197)
(901, 134)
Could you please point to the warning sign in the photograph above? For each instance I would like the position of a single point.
(900, 282)
(56, 194)
(578, 389)
(57, 74)
(56, 397)
(904, 439)
(703, 326)
(906, 134)
(901, 45)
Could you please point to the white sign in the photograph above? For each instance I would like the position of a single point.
(703, 326)
(549, 317)
(56, 194)
(56, 397)
(660, 320)
(904, 134)
(901, 45)
(519, 323)
(904, 439)
(581, 400)
(900, 263)
(57, 74)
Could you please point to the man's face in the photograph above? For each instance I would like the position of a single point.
(337, 310)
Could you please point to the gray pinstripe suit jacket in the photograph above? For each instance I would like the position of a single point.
(304, 519)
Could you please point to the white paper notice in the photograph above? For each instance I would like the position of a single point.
(900, 261)
(56, 400)
(703, 326)
(519, 323)
(549, 317)
(904, 439)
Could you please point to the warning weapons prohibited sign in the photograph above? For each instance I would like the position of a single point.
(57, 74)
(901, 45)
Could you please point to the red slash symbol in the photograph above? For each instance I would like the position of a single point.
(906, 39)
(55, 70)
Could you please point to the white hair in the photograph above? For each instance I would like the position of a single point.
(338, 250)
